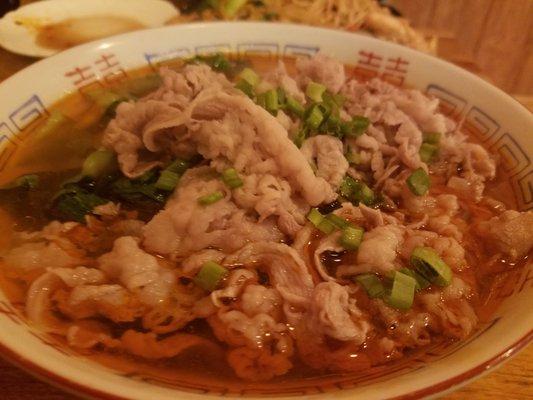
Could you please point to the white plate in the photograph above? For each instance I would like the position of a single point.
(19, 28)
(502, 124)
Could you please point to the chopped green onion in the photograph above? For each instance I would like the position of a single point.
(418, 182)
(340, 222)
(99, 163)
(356, 191)
(271, 101)
(333, 124)
(402, 292)
(24, 181)
(315, 91)
(421, 282)
(210, 198)
(210, 276)
(326, 226)
(364, 194)
(314, 117)
(320, 222)
(231, 178)
(432, 137)
(356, 127)
(295, 107)
(167, 181)
(300, 136)
(170, 176)
(428, 152)
(245, 87)
(178, 166)
(333, 100)
(347, 186)
(282, 97)
(232, 7)
(371, 283)
(249, 76)
(351, 237)
(339, 99)
(428, 264)
(261, 100)
(315, 217)
(353, 158)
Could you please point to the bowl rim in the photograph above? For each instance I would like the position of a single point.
(432, 390)
(439, 388)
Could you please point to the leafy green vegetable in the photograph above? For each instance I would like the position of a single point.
(73, 202)
(142, 188)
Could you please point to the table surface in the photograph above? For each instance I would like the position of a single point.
(513, 381)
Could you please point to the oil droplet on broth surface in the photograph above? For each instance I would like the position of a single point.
(75, 31)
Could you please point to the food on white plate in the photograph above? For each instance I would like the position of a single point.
(253, 220)
(368, 16)
(44, 28)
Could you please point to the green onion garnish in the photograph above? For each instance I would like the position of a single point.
(320, 222)
(333, 124)
(326, 226)
(371, 283)
(356, 127)
(170, 176)
(245, 87)
(178, 166)
(210, 276)
(428, 152)
(167, 181)
(282, 97)
(430, 266)
(300, 136)
(356, 191)
(261, 100)
(314, 91)
(402, 292)
(315, 217)
(353, 158)
(418, 182)
(421, 282)
(210, 198)
(351, 237)
(231, 7)
(98, 163)
(334, 100)
(231, 178)
(339, 222)
(347, 186)
(295, 107)
(314, 117)
(271, 101)
(365, 194)
(249, 75)
(432, 137)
